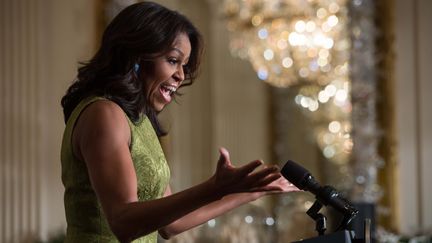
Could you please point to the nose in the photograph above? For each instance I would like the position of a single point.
(179, 75)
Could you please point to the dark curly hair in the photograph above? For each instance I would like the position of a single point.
(136, 35)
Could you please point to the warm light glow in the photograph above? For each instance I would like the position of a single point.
(328, 138)
(300, 26)
(211, 223)
(269, 221)
(341, 95)
(304, 72)
(313, 105)
(303, 43)
(287, 62)
(310, 26)
(330, 90)
(268, 54)
(334, 126)
(262, 33)
(321, 13)
(332, 21)
(323, 97)
(249, 219)
(262, 74)
(329, 152)
(308, 41)
(334, 8)
(257, 19)
(282, 44)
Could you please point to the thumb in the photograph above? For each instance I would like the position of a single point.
(224, 158)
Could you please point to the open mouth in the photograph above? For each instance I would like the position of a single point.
(167, 91)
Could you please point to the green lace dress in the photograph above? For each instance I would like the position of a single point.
(86, 221)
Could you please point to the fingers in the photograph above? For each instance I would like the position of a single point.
(257, 176)
(245, 178)
(224, 152)
(292, 188)
(249, 167)
(284, 185)
(267, 189)
(260, 178)
(279, 185)
(224, 158)
(267, 180)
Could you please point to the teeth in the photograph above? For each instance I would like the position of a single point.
(170, 88)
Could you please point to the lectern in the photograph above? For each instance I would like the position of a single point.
(342, 236)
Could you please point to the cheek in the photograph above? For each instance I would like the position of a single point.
(161, 73)
(150, 86)
(164, 71)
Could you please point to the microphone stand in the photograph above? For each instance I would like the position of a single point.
(320, 219)
(344, 236)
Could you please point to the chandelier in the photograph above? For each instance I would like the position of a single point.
(303, 44)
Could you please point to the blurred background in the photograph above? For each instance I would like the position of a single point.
(339, 86)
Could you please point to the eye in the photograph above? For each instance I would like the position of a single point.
(173, 61)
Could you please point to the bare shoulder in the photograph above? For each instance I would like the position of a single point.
(103, 114)
(103, 109)
(102, 122)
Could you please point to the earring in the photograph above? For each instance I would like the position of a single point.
(136, 67)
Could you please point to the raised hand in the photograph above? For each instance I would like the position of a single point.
(229, 179)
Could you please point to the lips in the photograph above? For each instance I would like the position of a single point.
(166, 91)
(170, 88)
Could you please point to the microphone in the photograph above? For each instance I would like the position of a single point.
(326, 195)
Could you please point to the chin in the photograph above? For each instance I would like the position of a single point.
(158, 107)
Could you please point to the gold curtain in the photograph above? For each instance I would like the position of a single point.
(386, 113)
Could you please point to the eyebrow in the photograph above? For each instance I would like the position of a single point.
(180, 51)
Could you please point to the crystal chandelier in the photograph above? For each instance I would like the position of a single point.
(290, 41)
(306, 44)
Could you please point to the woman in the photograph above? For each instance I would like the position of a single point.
(113, 168)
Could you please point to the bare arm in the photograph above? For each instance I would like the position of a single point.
(101, 139)
(219, 207)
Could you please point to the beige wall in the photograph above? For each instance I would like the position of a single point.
(414, 113)
(41, 44)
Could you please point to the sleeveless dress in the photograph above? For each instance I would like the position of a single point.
(85, 218)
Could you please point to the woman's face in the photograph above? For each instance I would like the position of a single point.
(168, 73)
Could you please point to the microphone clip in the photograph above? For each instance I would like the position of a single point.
(320, 219)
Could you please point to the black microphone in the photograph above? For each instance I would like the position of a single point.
(326, 195)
